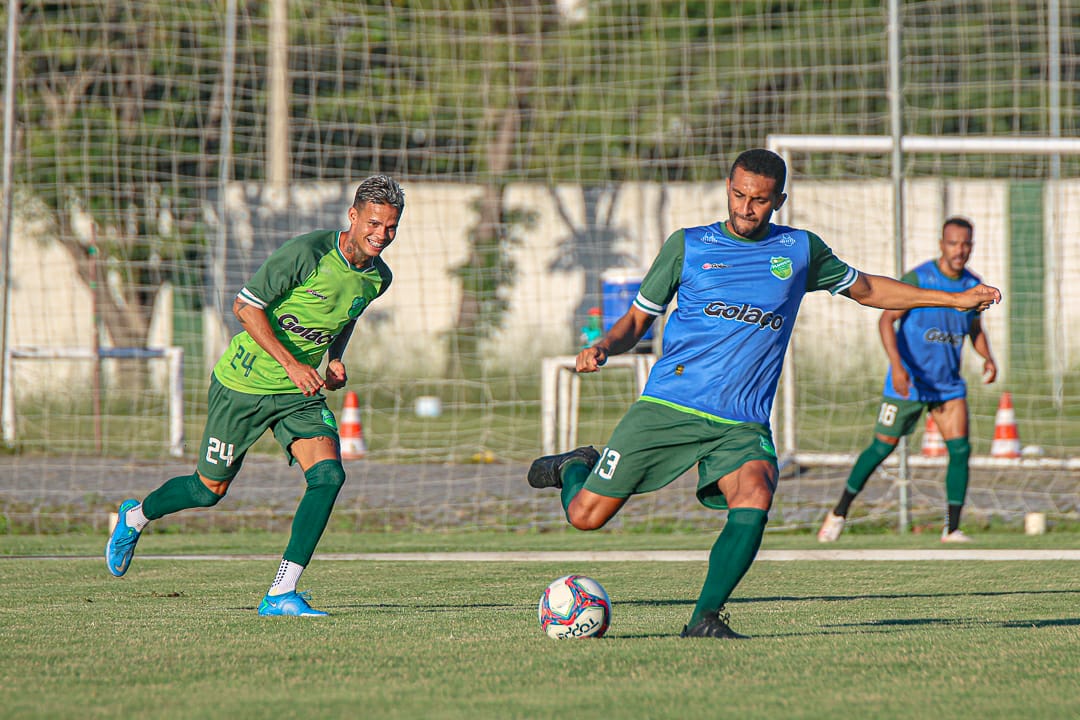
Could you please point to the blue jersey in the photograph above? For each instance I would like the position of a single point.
(930, 340)
(737, 299)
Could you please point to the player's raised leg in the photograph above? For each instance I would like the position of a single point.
(176, 494)
(121, 546)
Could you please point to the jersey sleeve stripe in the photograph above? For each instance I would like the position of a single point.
(247, 296)
(847, 281)
(647, 306)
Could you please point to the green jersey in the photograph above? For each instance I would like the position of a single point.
(310, 294)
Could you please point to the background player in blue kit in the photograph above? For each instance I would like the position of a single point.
(738, 285)
(924, 348)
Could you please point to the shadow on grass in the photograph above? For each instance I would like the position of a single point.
(901, 596)
(957, 622)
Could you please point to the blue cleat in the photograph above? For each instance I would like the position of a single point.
(294, 604)
(121, 546)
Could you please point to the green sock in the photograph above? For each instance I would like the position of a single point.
(324, 481)
(179, 493)
(731, 556)
(574, 476)
(867, 463)
(956, 475)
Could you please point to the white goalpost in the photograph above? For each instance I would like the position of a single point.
(173, 358)
(1054, 249)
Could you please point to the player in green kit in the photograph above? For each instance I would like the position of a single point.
(298, 307)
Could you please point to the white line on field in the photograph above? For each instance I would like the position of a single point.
(627, 556)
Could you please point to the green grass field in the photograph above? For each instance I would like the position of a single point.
(180, 637)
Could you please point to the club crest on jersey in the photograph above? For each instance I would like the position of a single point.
(357, 307)
(780, 267)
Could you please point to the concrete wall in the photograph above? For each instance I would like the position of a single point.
(577, 235)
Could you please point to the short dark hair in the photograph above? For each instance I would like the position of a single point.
(959, 221)
(760, 161)
(381, 190)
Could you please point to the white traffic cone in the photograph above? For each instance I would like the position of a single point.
(350, 429)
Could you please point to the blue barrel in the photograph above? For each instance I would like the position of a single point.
(619, 287)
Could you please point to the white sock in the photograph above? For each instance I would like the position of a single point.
(288, 575)
(135, 518)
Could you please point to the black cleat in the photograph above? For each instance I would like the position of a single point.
(546, 471)
(714, 625)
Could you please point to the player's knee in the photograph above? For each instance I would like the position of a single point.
(959, 449)
(880, 449)
(205, 492)
(584, 517)
(327, 474)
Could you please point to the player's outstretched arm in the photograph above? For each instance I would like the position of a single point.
(622, 336)
(888, 294)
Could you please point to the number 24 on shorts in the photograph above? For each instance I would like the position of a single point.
(223, 451)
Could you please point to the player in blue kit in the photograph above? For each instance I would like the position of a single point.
(738, 285)
(924, 348)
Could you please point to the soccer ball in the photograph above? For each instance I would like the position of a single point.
(574, 606)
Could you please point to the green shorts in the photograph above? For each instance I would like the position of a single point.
(897, 418)
(654, 444)
(235, 420)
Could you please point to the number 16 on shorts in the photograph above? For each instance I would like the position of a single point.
(887, 414)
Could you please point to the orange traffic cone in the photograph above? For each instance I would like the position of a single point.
(933, 445)
(1006, 438)
(352, 433)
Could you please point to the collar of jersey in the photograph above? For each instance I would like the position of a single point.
(739, 238)
(341, 256)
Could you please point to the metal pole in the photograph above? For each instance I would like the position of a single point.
(95, 382)
(218, 255)
(896, 117)
(1053, 242)
(277, 120)
(7, 397)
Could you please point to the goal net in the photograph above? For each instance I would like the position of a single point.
(1023, 210)
(155, 153)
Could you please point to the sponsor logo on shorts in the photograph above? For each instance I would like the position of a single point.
(316, 293)
(745, 313)
(934, 335)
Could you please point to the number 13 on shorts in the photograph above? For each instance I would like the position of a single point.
(605, 467)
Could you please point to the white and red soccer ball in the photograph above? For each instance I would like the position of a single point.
(574, 606)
